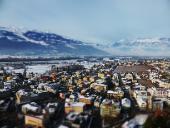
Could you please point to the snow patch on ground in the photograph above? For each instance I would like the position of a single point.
(40, 69)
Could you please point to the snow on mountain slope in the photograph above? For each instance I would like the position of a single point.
(21, 42)
(139, 47)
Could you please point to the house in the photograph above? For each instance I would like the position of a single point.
(68, 107)
(101, 75)
(110, 93)
(53, 87)
(161, 93)
(77, 120)
(98, 87)
(86, 100)
(24, 96)
(110, 108)
(140, 94)
(31, 107)
(34, 121)
(129, 76)
(126, 103)
(141, 103)
(76, 107)
(52, 107)
(8, 85)
(118, 91)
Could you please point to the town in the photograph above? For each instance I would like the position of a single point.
(85, 93)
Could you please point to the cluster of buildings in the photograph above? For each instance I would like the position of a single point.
(102, 95)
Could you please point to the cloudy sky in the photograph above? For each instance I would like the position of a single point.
(100, 21)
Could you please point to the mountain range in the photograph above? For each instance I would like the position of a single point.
(158, 46)
(17, 42)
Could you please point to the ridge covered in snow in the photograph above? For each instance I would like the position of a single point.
(139, 47)
(14, 41)
(32, 42)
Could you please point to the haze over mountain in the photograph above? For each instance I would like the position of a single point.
(17, 42)
(158, 46)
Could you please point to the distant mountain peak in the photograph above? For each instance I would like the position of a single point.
(158, 46)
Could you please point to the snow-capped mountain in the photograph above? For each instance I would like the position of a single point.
(139, 47)
(143, 42)
(21, 42)
(36, 43)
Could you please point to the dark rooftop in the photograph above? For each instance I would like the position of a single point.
(134, 68)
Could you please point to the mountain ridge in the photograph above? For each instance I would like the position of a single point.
(30, 42)
(158, 46)
(21, 42)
